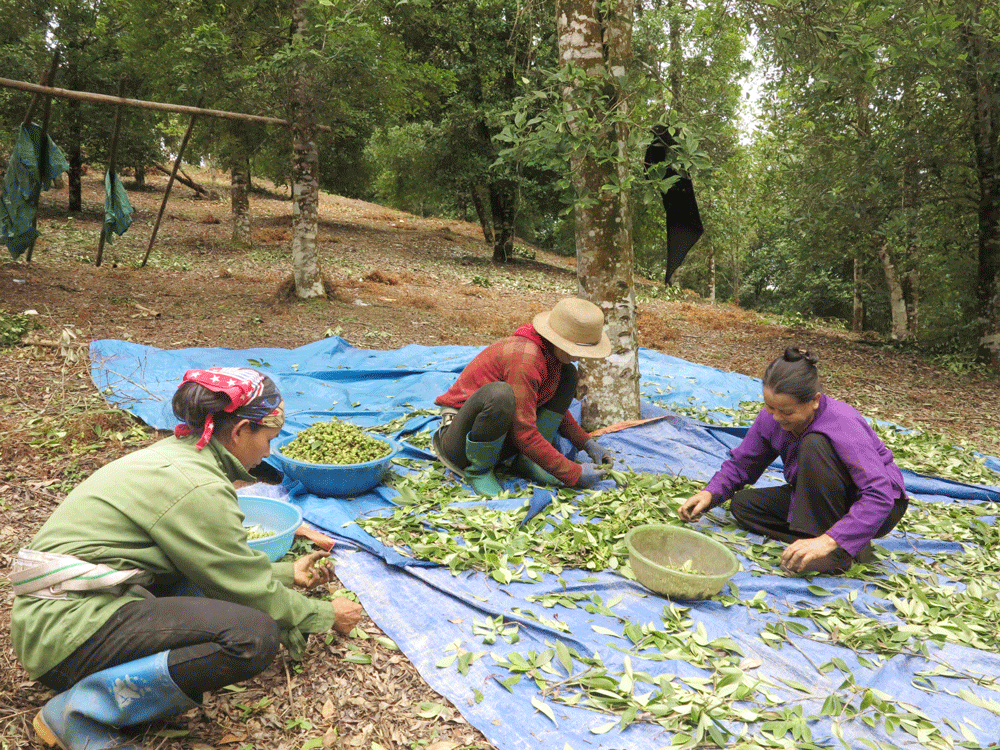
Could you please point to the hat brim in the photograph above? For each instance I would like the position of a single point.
(600, 350)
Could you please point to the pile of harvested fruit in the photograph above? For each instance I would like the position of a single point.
(335, 442)
(259, 532)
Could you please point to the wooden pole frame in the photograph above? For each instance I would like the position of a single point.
(86, 96)
(120, 102)
(43, 142)
(166, 192)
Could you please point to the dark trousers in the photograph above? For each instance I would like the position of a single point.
(212, 643)
(489, 412)
(824, 493)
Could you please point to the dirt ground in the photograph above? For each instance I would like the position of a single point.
(393, 279)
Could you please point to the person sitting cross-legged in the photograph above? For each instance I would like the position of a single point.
(843, 488)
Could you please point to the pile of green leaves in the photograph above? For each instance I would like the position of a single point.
(420, 439)
(256, 531)
(13, 327)
(429, 525)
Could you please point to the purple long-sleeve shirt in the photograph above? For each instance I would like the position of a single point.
(868, 461)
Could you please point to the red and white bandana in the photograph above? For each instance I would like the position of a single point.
(252, 396)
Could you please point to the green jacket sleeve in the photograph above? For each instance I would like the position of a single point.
(204, 537)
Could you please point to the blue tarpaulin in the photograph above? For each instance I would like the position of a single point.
(433, 614)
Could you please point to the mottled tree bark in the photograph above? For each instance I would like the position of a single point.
(858, 318)
(503, 208)
(711, 274)
(597, 38)
(897, 299)
(241, 203)
(305, 179)
(481, 214)
(305, 213)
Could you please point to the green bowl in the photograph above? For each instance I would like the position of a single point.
(657, 551)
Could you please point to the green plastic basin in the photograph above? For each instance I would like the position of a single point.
(657, 551)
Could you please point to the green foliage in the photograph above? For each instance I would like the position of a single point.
(23, 57)
(544, 128)
(482, 281)
(13, 327)
(478, 51)
(868, 157)
(779, 279)
(863, 142)
(406, 160)
(959, 364)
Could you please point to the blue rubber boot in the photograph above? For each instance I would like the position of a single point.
(482, 458)
(86, 716)
(548, 425)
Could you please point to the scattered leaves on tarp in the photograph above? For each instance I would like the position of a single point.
(934, 602)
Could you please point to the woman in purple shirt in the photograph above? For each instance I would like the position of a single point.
(843, 488)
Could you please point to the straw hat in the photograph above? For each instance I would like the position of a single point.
(577, 327)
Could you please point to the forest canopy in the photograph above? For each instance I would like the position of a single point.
(845, 155)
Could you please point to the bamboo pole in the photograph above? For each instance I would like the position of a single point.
(111, 172)
(166, 192)
(184, 179)
(162, 107)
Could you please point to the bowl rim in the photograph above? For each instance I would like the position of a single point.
(272, 501)
(734, 563)
(393, 444)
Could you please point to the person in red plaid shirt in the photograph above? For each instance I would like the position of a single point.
(513, 397)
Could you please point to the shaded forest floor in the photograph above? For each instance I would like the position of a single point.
(393, 279)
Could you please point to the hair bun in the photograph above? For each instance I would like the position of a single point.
(794, 354)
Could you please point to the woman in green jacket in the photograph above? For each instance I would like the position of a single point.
(94, 617)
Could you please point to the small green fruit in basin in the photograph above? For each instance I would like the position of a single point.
(336, 459)
(335, 442)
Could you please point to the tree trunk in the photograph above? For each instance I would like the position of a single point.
(858, 317)
(305, 178)
(737, 275)
(503, 207)
(711, 274)
(897, 300)
(984, 89)
(305, 214)
(484, 218)
(675, 53)
(911, 294)
(597, 38)
(241, 203)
